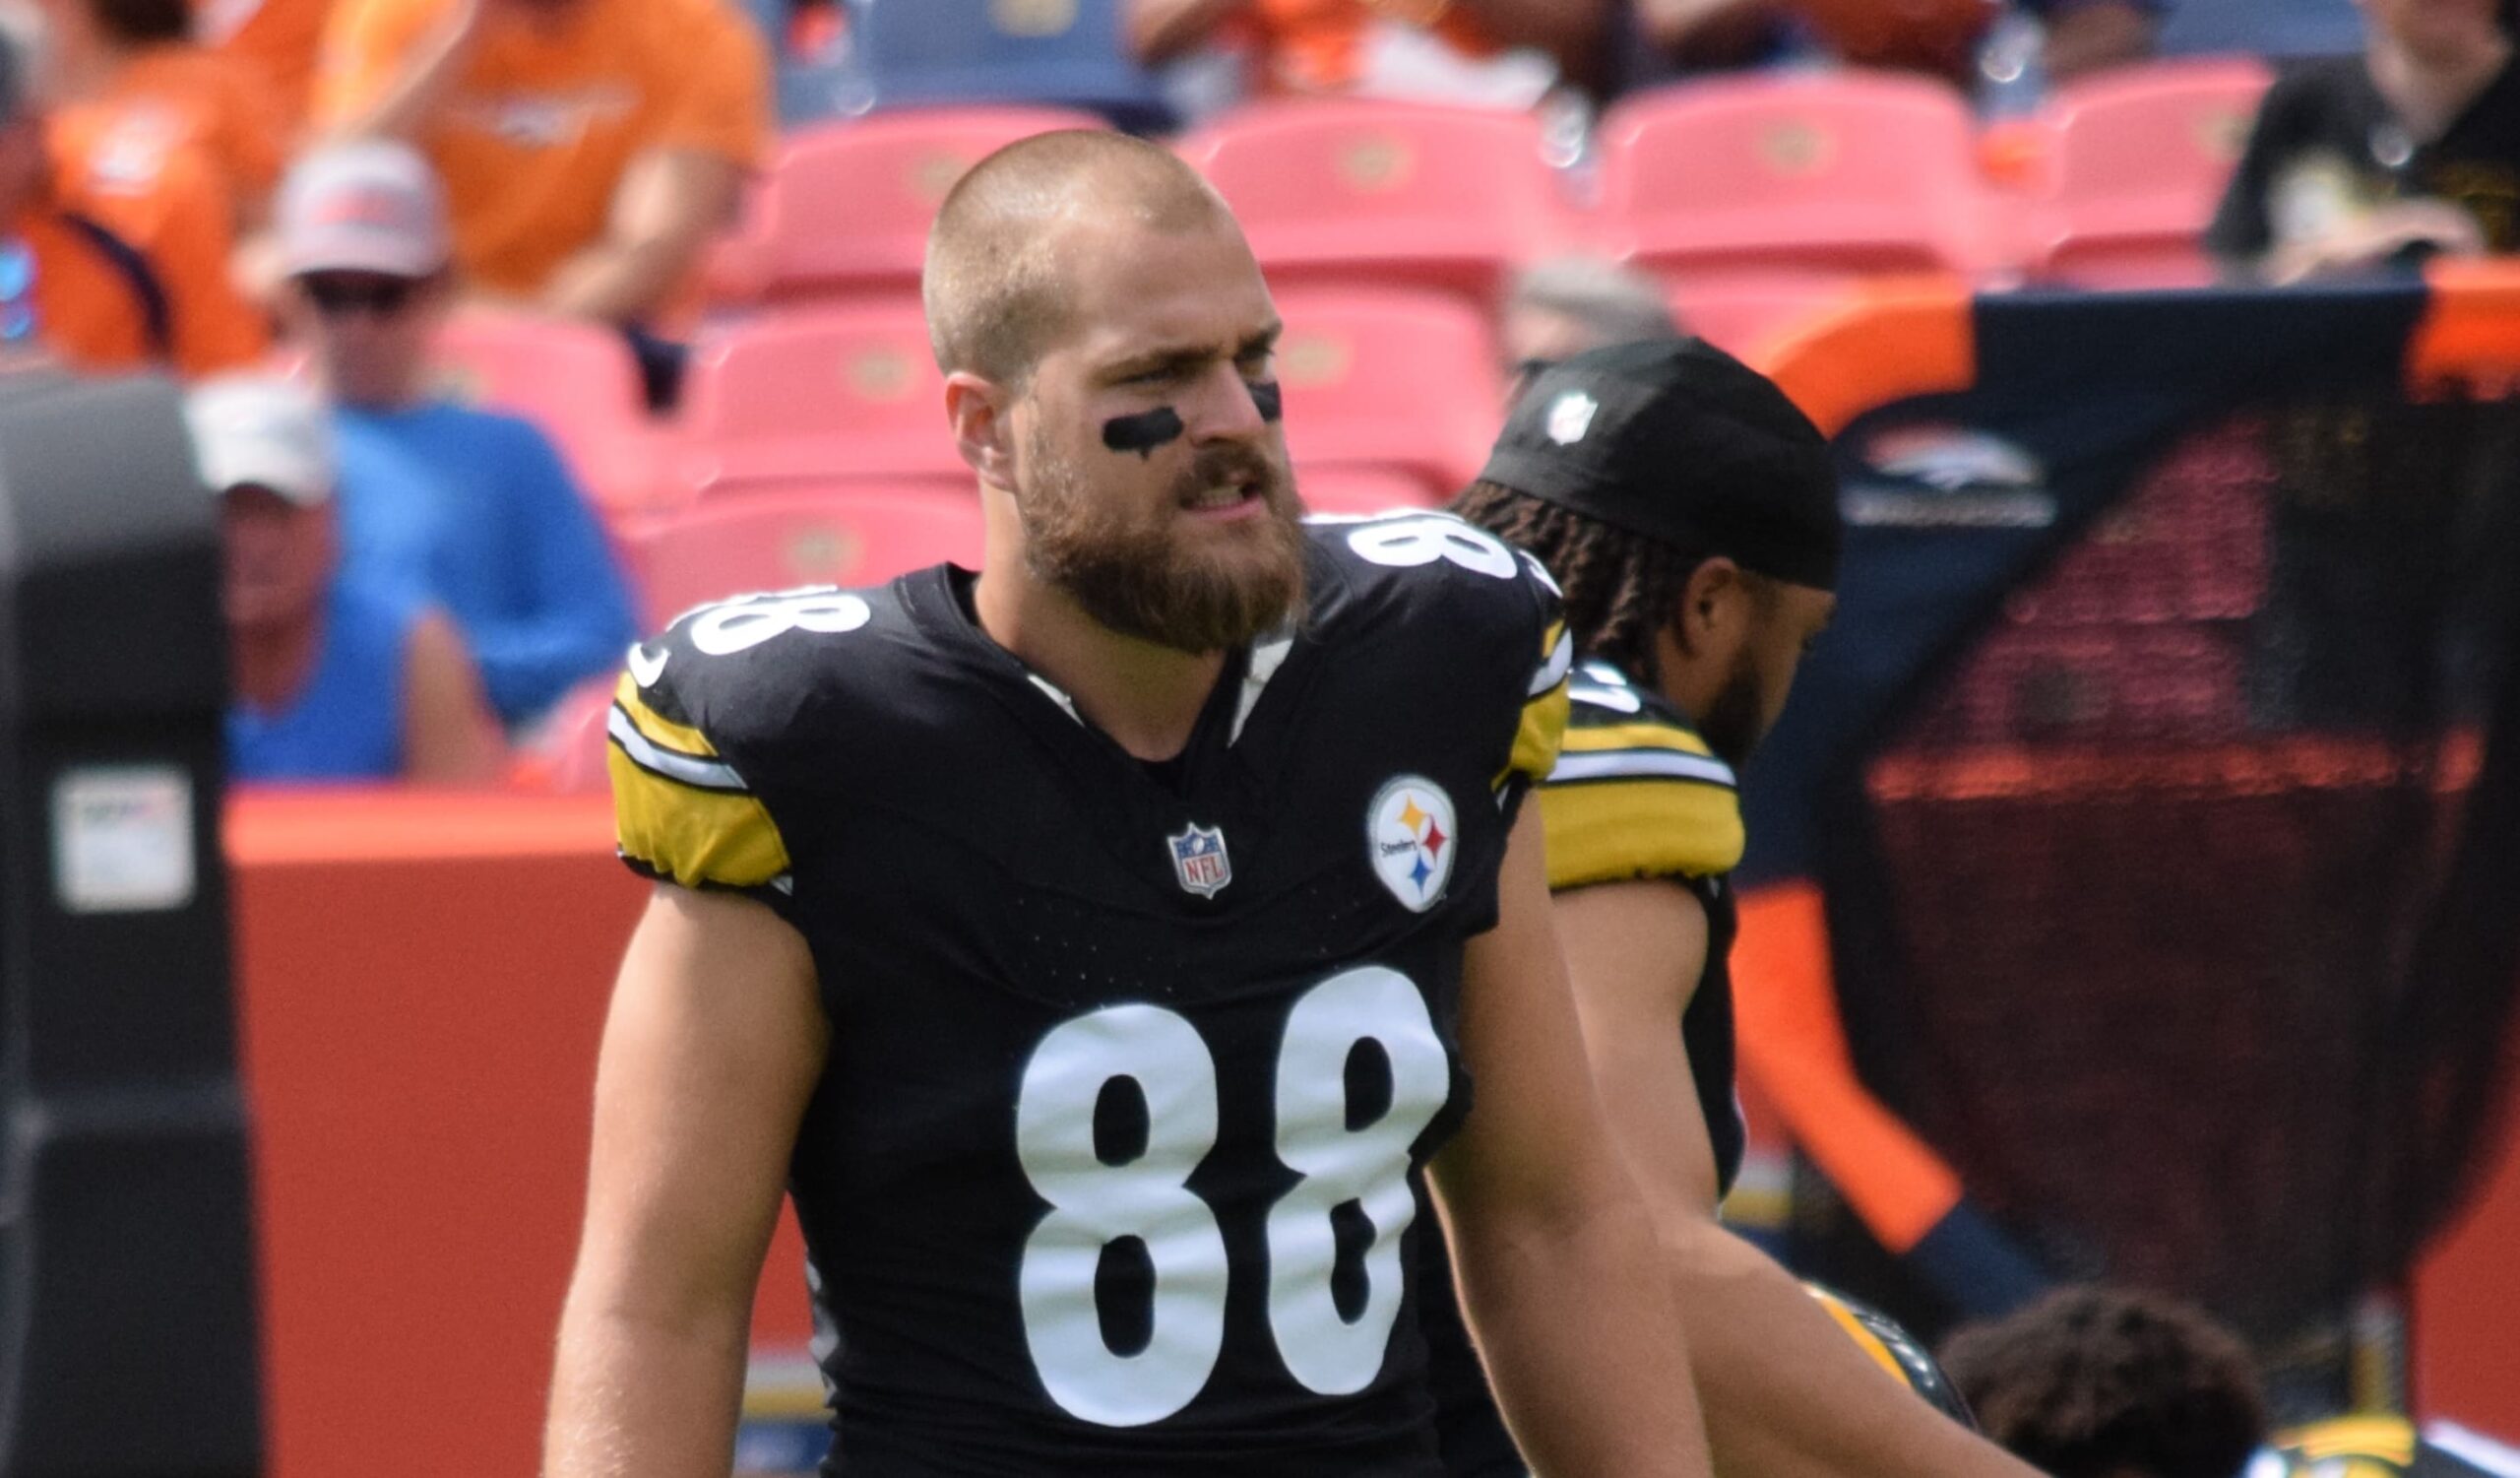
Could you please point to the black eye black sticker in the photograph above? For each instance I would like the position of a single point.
(1143, 432)
(1272, 402)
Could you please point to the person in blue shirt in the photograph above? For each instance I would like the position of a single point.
(474, 508)
(337, 677)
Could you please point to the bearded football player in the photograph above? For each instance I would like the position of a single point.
(1102, 947)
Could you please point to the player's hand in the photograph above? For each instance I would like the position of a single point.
(2377, 235)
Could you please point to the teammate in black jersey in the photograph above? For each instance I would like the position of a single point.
(1098, 947)
(1689, 511)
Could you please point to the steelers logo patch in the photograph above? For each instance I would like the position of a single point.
(1409, 838)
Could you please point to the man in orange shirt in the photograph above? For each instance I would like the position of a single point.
(277, 38)
(151, 290)
(129, 89)
(1399, 46)
(590, 148)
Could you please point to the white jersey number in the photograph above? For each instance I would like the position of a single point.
(722, 631)
(1422, 539)
(1093, 1203)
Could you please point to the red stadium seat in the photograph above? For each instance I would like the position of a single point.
(1844, 173)
(2138, 160)
(1406, 382)
(574, 380)
(1362, 490)
(845, 207)
(1361, 191)
(777, 541)
(814, 394)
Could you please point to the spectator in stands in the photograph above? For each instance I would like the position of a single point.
(335, 678)
(277, 38)
(2409, 149)
(591, 148)
(1504, 52)
(2090, 35)
(1565, 306)
(128, 88)
(150, 289)
(1941, 37)
(477, 510)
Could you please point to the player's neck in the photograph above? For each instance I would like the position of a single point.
(1145, 697)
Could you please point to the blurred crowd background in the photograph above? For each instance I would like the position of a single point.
(551, 278)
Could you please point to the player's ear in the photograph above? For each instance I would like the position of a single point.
(1714, 605)
(980, 413)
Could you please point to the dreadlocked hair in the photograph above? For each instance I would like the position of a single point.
(1621, 589)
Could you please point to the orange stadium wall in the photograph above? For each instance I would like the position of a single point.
(421, 982)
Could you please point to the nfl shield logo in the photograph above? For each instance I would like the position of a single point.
(1571, 418)
(1198, 860)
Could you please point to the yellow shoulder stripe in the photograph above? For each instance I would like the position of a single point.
(1865, 1341)
(1614, 829)
(1537, 736)
(2387, 1438)
(660, 730)
(696, 837)
(1584, 738)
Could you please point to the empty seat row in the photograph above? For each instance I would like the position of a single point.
(1812, 174)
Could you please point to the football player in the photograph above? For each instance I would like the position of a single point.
(1100, 946)
(1690, 513)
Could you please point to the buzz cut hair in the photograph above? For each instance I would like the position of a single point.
(996, 283)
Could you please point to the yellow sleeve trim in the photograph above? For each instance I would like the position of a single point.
(2387, 1439)
(1865, 1341)
(698, 838)
(659, 729)
(1585, 739)
(1537, 736)
(1609, 830)
(684, 814)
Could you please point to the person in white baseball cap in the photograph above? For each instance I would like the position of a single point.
(475, 509)
(334, 678)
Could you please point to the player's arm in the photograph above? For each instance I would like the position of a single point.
(1785, 1393)
(670, 204)
(1555, 1256)
(389, 65)
(449, 732)
(714, 1044)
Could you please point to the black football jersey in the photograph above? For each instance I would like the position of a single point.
(1116, 1164)
(1635, 794)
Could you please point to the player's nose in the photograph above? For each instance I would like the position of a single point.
(1229, 407)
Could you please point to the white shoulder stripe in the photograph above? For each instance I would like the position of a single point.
(691, 770)
(1616, 699)
(1640, 764)
(1553, 672)
(2472, 1448)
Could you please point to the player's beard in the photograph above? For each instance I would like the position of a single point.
(1136, 574)
(1734, 723)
